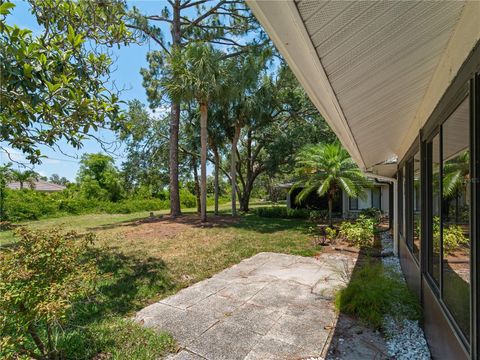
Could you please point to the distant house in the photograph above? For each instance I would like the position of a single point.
(40, 185)
(378, 196)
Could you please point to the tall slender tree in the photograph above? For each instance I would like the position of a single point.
(198, 72)
(191, 21)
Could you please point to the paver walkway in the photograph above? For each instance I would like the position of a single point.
(270, 306)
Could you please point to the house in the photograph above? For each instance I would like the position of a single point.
(38, 185)
(399, 83)
(377, 196)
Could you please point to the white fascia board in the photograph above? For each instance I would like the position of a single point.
(464, 39)
(283, 23)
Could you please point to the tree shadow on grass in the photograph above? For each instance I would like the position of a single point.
(271, 225)
(126, 284)
(185, 219)
(248, 222)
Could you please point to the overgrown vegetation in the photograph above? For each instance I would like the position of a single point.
(452, 235)
(359, 232)
(62, 298)
(374, 292)
(282, 212)
(28, 204)
(100, 188)
(43, 277)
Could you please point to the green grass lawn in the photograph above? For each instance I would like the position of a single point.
(142, 260)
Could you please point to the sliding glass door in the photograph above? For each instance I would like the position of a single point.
(448, 258)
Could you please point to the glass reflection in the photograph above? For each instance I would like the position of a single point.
(455, 216)
(434, 267)
(417, 205)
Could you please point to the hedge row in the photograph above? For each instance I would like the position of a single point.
(32, 205)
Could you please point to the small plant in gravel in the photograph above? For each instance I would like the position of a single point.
(359, 233)
(374, 292)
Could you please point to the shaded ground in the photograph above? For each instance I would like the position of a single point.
(352, 341)
(168, 227)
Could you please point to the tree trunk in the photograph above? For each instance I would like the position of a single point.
(196, 182)
(247, 192)
(36, 339)
(203, 160)
(174, 124)
(216, 174)
(245, 200)
(173, 161)
(330, 208)
(233, 169)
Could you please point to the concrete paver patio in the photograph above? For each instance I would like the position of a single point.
(270, 306)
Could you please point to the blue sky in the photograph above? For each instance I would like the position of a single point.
(127, 75)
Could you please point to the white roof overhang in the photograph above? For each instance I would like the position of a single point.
(375, 70)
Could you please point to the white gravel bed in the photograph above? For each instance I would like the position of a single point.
(405, 338)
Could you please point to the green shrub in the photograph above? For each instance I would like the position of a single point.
(318, 215)
(323, 233)
(28, 204)
(281, 212)
(372, 213)
(133, 205)
(187, 199)
(359, 233)
(373, 292)
(21, 205)
(77, 205)
(453, 237)
(42, 277)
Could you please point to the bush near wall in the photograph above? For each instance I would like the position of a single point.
(359, 232)
(375, 291)
(282, 212)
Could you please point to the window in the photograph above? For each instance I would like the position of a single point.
(376, 198)
(353, 203)
(435, 190)
(400, 201)
(404, 200)
(455, 215)
(416, 205)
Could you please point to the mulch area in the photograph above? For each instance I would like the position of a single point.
(168, 226)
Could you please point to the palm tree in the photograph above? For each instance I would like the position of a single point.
(456, 172)
(327, 169)
(197, 72)
(27, 176)
(216, 140)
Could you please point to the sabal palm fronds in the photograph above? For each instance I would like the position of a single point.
(327, 169)
(27, 176)
(455, 174)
